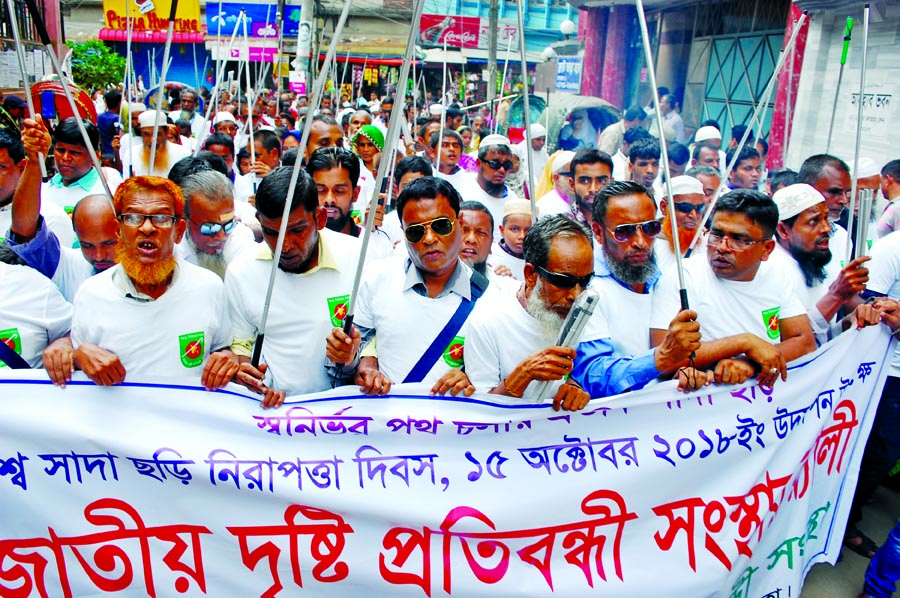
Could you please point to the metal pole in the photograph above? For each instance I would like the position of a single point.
(295, 175)
(390, 141)
(527, 110)
(772, 81)
(443, 110)
(859, 124)
(279, 18)
(664, 153)
(38, 21)
(161, 90)
(848, 30)
(26, 87)
(787, 108)
(215, 92)
(250, 105)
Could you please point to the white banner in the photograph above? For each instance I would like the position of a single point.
(163, 489)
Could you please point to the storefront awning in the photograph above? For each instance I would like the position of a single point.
(439, 56)
(154, 37)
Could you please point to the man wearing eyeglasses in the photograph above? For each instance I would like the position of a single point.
(151, 313)
(690, 205)
(494, 165)
(214, 235)
(417, 309)
(750, 315)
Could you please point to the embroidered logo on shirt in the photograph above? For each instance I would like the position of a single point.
(192, 347)
(357, 217)
(453, 354)
(12, 339)
(337, 309)
(770, 319)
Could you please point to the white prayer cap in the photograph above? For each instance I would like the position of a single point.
(706, 133)
(435, 110)
(686, 185)
(561, 162)
(137, 107)
(494, 139)
(793, 199)
(151, 117)
(537, 130)
(224, 117)
(867, 167)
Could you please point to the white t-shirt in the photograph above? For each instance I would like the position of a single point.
(665, 257)
(499, 257)
(627, 315)
(71, 271)
(472, 191)
(56, 218)
(727, 308)
(460, 179)
(405, 322)
(502, 335)
(809, 296)
(301, 314)
(170, 336)
(33, 314)
(621, 167)
(884, 277)
(243, 187)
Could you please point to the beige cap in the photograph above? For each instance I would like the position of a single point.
(706, 133)
(793, 199)
(494, 139)
(561, 161)
(224, 117)
(517, 206)
(867, 167)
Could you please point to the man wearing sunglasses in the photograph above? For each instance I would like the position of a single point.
(690, 205)
(418, 309)
(512, 339)
(750, 315)
(215, 237)
(152, 313)
(494, 165)
(312, 286)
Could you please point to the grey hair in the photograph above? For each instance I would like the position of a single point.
(539, 237)
(208, 183)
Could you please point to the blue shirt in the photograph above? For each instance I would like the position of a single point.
(106, 124)
(603, 373)
(40, 253)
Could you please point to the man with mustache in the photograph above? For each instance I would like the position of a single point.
(690, 205)
(167, 153)
(152, 314)
(451, 147)
(803, 235)
(590, 171)
(312, 286)
(489, 187)
(750, 315)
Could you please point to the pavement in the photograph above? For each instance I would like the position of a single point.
(845, 579)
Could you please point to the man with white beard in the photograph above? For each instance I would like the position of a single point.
(167, 153)
(215, 237)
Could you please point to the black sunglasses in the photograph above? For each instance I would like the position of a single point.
(442, 226)
(623, 232)
(686, 207)
(565, 281)
(497, 164)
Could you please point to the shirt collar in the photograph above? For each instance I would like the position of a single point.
(326, 255)
(459, 281)
(124, 284)
(86, 182)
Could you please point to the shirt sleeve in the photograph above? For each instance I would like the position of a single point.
(57, 314)
(42, 253)
(603, 373)
(884, 267)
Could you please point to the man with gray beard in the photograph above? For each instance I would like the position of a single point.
(625, 225)
(214, 236)
(511, 341)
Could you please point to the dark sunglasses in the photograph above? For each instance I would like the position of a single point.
(442, 226)
(211, 229)
(624, 232)
(497, 164)
(565, 281)
(686, 207)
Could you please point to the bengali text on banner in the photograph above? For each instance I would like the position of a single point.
(159, 488)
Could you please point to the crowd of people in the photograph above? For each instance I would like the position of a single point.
(471, 269)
